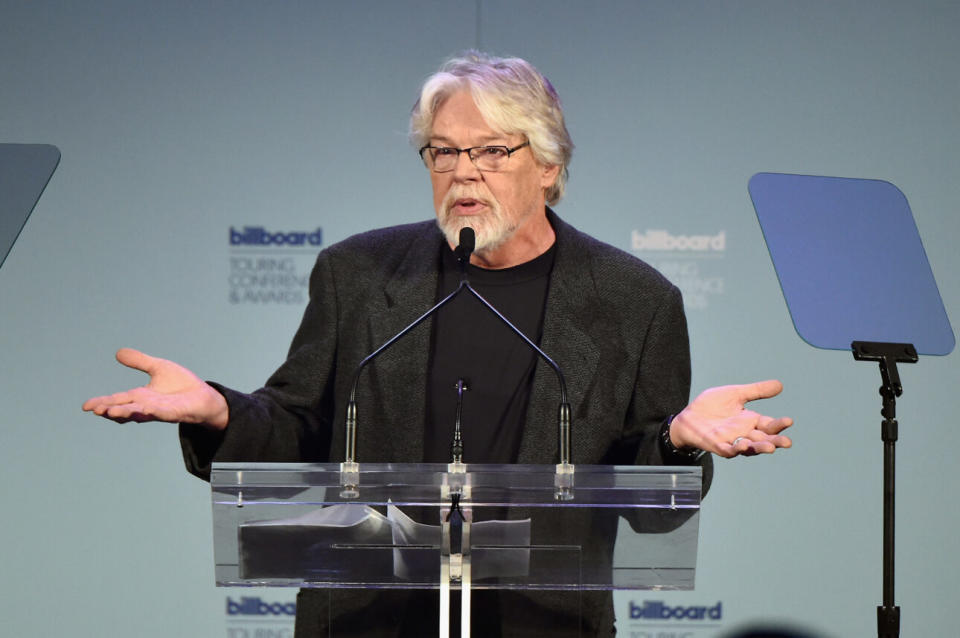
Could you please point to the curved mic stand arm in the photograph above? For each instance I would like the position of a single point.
(349, 469)
(351, 426)
(565, 469)
(351, 432)
(564, 404)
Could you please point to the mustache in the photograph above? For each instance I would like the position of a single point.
(466, 192)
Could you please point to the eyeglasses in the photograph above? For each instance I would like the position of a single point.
(443, 159)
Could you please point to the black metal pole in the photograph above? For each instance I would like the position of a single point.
(888, 614)
(887, 355)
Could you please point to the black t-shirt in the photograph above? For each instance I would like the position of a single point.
(471, 343)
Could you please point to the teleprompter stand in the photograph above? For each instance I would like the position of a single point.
(855, 275)
(457, 527)
(888, 355)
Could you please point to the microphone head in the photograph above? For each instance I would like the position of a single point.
(468, 241)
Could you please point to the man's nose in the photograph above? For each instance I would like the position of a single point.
(465, 170)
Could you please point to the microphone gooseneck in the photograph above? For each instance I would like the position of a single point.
(463, 252)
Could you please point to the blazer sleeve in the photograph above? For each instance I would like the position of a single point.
(290, 418)
(663, 386)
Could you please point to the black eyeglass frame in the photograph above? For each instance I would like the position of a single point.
(469, 152)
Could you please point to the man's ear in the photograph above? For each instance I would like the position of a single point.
(549, 175)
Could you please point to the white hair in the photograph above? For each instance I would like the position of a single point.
(512, 96)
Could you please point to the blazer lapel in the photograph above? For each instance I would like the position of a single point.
(566, 339)
(398, 375)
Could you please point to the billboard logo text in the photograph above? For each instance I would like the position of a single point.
(657, 610)
(254, 606)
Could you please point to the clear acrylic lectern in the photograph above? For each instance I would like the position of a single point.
(456, 527)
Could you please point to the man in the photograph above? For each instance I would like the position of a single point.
(492, 136)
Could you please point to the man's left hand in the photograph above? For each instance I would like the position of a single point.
(717, 421)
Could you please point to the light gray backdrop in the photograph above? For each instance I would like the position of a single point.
(180, 120)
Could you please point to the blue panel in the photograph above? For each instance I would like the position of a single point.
(25, 170)
(850, 262)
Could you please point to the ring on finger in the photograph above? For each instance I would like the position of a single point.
(737, 440)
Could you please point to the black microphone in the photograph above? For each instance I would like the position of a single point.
(456, 449)
(468, 242)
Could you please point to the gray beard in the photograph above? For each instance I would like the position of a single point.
(487, 240)
(492, 229)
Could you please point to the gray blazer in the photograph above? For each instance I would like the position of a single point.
(614, 325)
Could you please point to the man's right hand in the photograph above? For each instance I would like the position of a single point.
(174, 394)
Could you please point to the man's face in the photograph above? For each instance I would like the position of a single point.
(502, 207)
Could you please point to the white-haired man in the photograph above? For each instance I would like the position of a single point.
(491, 133)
